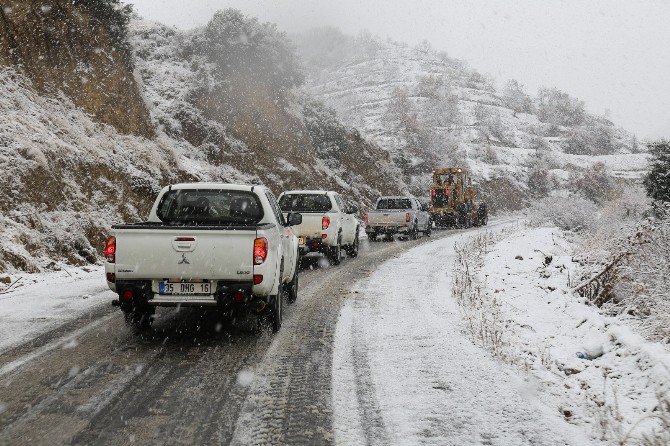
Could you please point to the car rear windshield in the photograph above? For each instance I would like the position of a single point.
(305, 203)
(210, 207)
(394, 203)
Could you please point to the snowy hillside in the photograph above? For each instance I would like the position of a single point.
(69, 176)
(429, 110)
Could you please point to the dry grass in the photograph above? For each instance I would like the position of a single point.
(481, 311)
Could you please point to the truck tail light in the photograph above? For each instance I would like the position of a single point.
(407, 217)
(258, 278)
(367, 221)
(110, 250)
(111, 277)
(433, 192)
(325, 222)
(260, 250)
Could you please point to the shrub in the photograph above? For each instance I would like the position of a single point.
(571, 213)
(657, 182)
(595, 183)
(243, 47)
(115, 17)
(559, 108)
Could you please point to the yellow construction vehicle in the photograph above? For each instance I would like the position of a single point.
(453, 200)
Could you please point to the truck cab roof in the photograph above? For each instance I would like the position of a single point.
(209, 185)
(314, 192)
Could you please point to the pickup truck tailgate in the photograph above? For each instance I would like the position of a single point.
(386, 218)
(185, 254)
(311, 226)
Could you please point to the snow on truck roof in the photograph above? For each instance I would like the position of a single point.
(227, 186)
(313, 192)
(393, 197)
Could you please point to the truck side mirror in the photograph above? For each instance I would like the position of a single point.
(294, 219)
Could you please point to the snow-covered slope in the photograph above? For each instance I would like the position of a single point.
(68, 177)
(429, 110)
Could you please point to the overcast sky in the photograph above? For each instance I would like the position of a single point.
(615, 55)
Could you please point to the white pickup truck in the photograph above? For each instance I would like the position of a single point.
(329, 224)
(398, 215)
(215, 245)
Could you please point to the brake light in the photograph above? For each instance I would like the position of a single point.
(324, 236)
(260, 250)
(407, 217)
(367, 221)
(433, 192)
(111, 277)
(258, 278)
(110, 250)
(325, 222)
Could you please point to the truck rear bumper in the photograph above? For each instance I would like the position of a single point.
(387, 229)
(227, 294)
(314, 245)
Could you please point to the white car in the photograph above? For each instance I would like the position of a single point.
(329, 224)
(223, 246)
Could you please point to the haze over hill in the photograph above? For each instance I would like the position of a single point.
(430, 110)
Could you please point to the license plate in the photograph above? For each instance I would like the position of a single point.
(301, 241)
(184, 288)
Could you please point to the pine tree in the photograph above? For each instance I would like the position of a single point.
(657, 182)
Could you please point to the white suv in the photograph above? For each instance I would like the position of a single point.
(329, 224)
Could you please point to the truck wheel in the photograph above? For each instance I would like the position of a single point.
(277, 309)
(353, 248)
(292, 289)
(336, 254)
(462, 219)
(414, 233)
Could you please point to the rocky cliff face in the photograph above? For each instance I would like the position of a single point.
(68, 46)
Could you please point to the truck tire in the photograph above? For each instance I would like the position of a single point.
(414, 233)
(292, 289)
(462, 220)
(483, 214)
(335, 254)
(352, 250)
(429, 229)
(277, 310)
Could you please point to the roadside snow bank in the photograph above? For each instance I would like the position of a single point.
(615, 395)
(404, 372)
(38, 303)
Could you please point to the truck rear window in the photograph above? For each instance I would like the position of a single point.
(305, 203)
(210, 207)
(394, 203)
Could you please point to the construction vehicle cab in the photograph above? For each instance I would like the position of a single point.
(453, 200)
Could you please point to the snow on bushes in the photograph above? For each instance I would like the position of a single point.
(571, 213)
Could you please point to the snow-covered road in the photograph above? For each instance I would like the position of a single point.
(404, 371)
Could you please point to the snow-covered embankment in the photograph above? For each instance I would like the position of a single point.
(406, 372)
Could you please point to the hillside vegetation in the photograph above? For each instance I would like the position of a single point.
(99, 112)
(427, 110)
